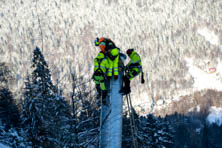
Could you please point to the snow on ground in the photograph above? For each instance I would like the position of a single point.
(202, 79)
(215, 115)
(3, 146)
(209, 35)
(196, 109)
(219, 68)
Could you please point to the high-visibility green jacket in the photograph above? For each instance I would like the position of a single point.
(112, 52)
(101, 63)
(135, 65)
(100, 69)
(113, 59)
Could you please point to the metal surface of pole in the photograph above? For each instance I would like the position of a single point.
(111, 117)
(111, 114)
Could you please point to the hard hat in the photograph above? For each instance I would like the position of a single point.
(98, 41)
(101, 39)
(129, 51)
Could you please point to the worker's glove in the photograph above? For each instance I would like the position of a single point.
(109, 77)
(115, 77)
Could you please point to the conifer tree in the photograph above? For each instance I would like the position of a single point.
(37, 96)
(165, 133)
(205, 141)
(127, 140)
(9, 113)
(45, 113)
(146, 131)
(88, 120)
(154, 133)
(41, 76)
(5, 75)
(127, 131)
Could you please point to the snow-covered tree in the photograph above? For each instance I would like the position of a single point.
(127, 141)
(89, 124)
(205, 141)
(59, 127)
(14, 138)
(85, 115)
(46, 115)
(165, 133)
(154, 133)
(9, 113)
(5, 75)
(146, 131)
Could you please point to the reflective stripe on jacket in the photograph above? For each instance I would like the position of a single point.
(113, 59)
(135, 65)
(135, 61)
(100, 69)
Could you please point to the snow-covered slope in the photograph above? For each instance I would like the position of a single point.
(215, 115)
(205, 79)
(165, 33)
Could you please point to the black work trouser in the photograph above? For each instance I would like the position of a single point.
(126, 83)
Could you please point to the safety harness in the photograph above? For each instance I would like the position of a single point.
(99, 71)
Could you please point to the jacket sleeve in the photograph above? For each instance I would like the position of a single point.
(135, 60)
(95, 64)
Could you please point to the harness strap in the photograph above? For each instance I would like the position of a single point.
(132, 121)
(99, 71)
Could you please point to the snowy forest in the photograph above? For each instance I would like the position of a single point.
(47, 96)
(44, 118)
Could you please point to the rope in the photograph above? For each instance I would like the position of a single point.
(132, 121)
(135, 131)
(129, 110)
